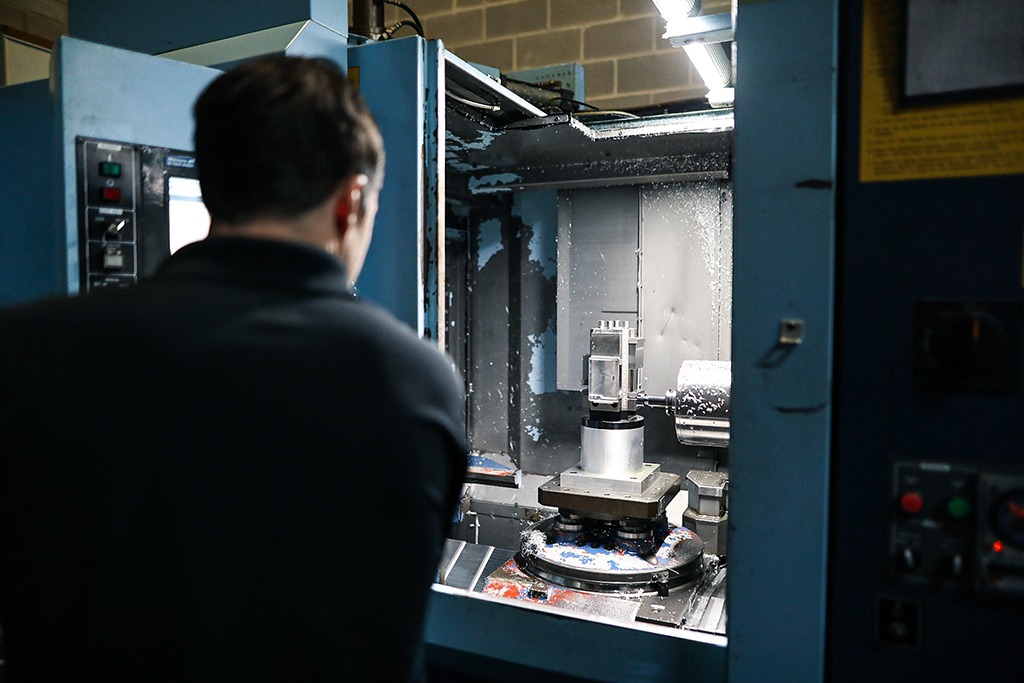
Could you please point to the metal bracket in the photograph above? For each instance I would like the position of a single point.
(791, 331)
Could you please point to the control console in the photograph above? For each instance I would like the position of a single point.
(958, 525)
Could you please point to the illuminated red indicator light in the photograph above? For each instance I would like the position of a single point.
(911, 502)
(997, 546)
(111, 194)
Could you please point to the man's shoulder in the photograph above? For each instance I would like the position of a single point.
(406, 354)
(380, 327)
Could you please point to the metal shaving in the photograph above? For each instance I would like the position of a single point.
(531, 542)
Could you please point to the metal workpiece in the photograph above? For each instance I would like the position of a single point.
(613, 367)
(612, 448)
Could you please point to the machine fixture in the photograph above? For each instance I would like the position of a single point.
(611, 549)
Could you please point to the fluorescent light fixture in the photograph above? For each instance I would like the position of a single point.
(674, 10)
(702, 38)
(722, 97)
(711, 63)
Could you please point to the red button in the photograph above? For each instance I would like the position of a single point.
(911, 502)
(111, 194)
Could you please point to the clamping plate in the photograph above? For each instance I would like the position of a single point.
(647, 504)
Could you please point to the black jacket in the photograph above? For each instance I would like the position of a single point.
(235, 470)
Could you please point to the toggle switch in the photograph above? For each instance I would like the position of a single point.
(910, 559)
(114, 230)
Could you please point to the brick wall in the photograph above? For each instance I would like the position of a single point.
(626, 62)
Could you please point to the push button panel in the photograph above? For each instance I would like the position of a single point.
(111, 173)
(108, 203)
(958, 525)
(933, 521)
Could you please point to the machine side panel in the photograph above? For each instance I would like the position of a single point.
(784, 183)
(113, 94)
(549, 433)
(32, 261)
(434, 270)
(393, 83)
(545, 641)
(927, 560)
(490, 319)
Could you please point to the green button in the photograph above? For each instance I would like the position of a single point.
(958, 507)
(110, 169)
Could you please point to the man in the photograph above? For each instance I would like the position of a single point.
(235, 470)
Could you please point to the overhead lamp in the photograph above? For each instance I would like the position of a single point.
(701, 37)
(674, 10)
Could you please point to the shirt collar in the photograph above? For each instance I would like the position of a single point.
(261, 263)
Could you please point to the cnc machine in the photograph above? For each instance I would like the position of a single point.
(844, 430)
(596, 257)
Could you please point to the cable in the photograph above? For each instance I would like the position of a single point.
(407, 10)
(601, 112)
(390, 30)
(563, 98)
(471, 103)
(578, 103)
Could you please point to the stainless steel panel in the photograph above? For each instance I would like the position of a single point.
(686, 275)
(598, 232)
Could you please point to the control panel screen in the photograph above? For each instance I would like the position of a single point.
(189, 221)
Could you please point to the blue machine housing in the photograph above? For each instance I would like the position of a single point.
(157, 27)
(95, 91)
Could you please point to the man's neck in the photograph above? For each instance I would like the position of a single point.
(299, 230)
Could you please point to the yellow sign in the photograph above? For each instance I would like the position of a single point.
(353, 76)
(933, 141)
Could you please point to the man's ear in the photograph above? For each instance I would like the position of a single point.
(349, 202)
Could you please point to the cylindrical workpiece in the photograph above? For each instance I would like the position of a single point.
(612, 447)
(701, 403)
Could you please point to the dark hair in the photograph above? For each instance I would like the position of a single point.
(274, 137)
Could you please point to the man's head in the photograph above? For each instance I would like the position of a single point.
(288, 141)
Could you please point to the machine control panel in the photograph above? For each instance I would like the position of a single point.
(108, 174)
(137, 205)
(958, 525)
(933, 531)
